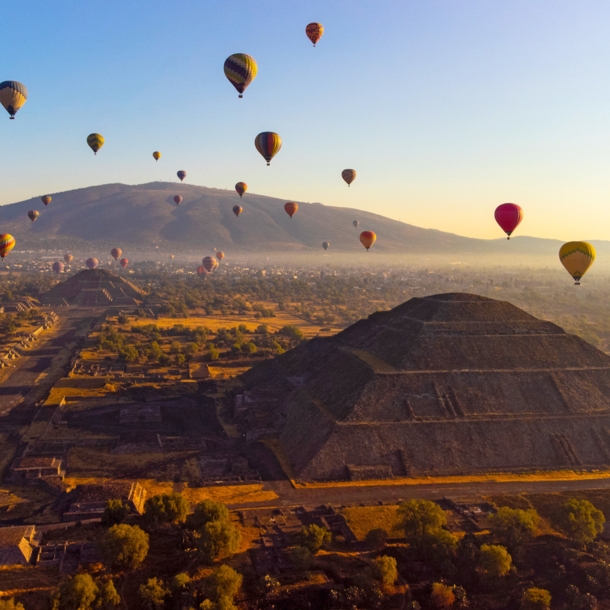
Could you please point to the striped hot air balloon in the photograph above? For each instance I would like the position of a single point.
(13, 95)
(116, 253)
(268, 144)
(241, 70)
(46, 199)
(209, 263)
(314, 32)
(156, 155)
(291, 208)
(33, 215)
(241, 188)
(237, 210)
(68, 258)
(58, 267)
(177, 199)
(7, 243)
(95, 141)
(349, 175)
(124, 262)
(181, 174)
(367, 239)
(92, 263)
(577, 257)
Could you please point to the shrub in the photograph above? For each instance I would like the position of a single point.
(536, 599)
(300, 557)
(313, 537)
(580, 520)
(75, 593)
(514, 526)
(218, 539)
(419, 519)
(442, 596)
(153, 594)
(384, 569)
(494, 561)
(166, 508)
(205, 512)
(125, 546)
(10, 604)
(115, 512)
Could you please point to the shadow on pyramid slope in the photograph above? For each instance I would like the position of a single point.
(445, 384)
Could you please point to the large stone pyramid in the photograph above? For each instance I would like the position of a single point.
(94, 287)
(446, 384)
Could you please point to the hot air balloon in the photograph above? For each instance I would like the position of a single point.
(220, 255)
(58, 267)
(124, 262)
(116, 253)
(181, 174)
(325, 245)
(291, 208)
(177, 199)
(356, 223)
(367, 238)
(7, 243)
(209, 263)
(33, 215)
(268, 144)
(241, 188)
(13, 95)
(577, 257)
(68, 258)
(156, 155)
(91, 263)
(314, 32)
(95, 141)
(46, 199)
(202, 271)
(349, 175)
(241, 70)
(508, 216)
(237, 210)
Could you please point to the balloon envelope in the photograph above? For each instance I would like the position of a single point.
(508, 216)
(91, 263)
(7, 243)
(241, 70)
(33, 215)
(58, 267)
(268, 144)
(46, 199)
(68, 258)
(349, 175)
(325, 245)
(95, 141)
(181, 174)
(116, 253)
(124, 262)
(367, 238)
(241, 188)
(356, 223)
(577, 257)
(314, 32)
(177, 199)
(209, 263)
(13, 95)
(220, 255)
(201, 270)
(156, 155)
(291, 208)
(237, 210)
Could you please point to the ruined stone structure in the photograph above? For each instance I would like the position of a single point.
(446, 384)
(92, 287)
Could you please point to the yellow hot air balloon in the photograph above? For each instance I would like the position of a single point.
(241, 70)
(268, 144)
(367, 239)
(13, 95)
(95, 141)
(157, 155)
(7, 243)
(577, 257)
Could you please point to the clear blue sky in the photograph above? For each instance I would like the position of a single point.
(445, 108)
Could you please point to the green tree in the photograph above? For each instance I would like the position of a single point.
(580, 520)
(294, 333)
(108, 597)
(10, 604)
(384, 569)
(420, 519)
(218, 539)
(313, 537)
(75, 593)
(494, 561)
(442, 596)
(205, 512)
(300, 557)
(166, 508)
(115, 512)
(514, 526)
(536, 599)
(122, 319)
(153, 594)
(124, 546)
(377, 539)
(224, 603)
(223, 582)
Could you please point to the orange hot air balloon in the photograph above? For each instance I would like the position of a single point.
(7, 243)
(237, 210)
(68, 258)
(314, 32)
(92, 263)
(367, 238)
(202, 271)
(220, 255)
(46, 199)
(209, 263)
(291, 208)
(124, 262)
(241, 188)
(116, 253)
(349, 175)
(177, 199)
(157, 155)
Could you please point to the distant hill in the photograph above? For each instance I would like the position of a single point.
(143, 216)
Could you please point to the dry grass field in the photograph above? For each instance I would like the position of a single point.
(363, 519)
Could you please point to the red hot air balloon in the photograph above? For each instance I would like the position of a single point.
(181, 174)
(116, 253)
(124, 262)
(209, 263)
(508, 216)
(33, 215)
(220, 255)
(92, 263)
(291, 208)
(367, 238)
(241, 188)
(237, 210)
(46, 199)
(58, 267)
(68, 258)
(177, 199)
(202, 271)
